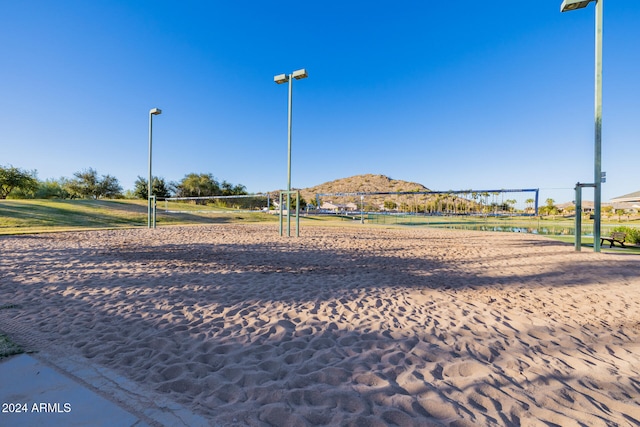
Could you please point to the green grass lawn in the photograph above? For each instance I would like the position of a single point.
(587, 245)
(8, 347)
(37, 216)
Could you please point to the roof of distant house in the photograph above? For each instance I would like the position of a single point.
(631, 197)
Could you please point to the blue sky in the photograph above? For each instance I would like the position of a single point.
(453, 95)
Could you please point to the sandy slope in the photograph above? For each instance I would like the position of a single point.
(343, 326)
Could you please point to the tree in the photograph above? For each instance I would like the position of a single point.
(484, 200)
(530, 203)
(52, 189)
(84, 185)
(108, 187)
(12, 178)
(390, 205)
(198, 185)
(205, 185)
(229, 189)
(303, 203)
(550, 208)
(474, 196)
(160, 189)
(88, 184)
(495, 201)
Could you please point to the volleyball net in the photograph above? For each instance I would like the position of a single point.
(243, 202)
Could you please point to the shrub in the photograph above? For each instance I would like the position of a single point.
(633, 234)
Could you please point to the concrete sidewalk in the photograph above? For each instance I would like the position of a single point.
(35, 394)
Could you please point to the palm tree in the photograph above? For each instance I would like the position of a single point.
(484, 202)
(550, 207)
(529, 203)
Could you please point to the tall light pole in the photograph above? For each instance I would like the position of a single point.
(279, 79)
(150, 222)
(568, 5)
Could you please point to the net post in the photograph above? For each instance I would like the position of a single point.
(298, 213)
(578, 230)
(288, 214)
(153, 206)
(280, 207)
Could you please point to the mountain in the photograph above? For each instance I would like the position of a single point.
(367, 183)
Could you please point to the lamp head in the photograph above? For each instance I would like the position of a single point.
(300, 74)
(281, 78)
(568, 5)
(155, 111)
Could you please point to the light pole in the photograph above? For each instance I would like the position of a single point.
(568, 5)
(279, 79)
(150, 223)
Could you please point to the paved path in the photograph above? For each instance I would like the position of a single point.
(34, 393)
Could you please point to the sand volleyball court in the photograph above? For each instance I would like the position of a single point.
(340, 327)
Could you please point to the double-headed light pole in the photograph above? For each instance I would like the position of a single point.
(151, 223)
(279, 79)
(568, 5)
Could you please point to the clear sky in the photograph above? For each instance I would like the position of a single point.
(451, 94)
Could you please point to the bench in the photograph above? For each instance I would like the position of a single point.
(615, 237)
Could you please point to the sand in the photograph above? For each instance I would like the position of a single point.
(349, 326)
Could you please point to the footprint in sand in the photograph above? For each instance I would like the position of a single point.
(466, 369)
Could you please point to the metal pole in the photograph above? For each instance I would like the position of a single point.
(280, 207)
(298, 214)
(578, 231)
(597, 173)
(149, 188)
(289, 157)
(154, 210)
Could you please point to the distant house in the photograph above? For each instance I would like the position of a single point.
(629, 201)
(629, 198)
(351, 207)
(587, 206)
(328, 206)
(336, 207)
